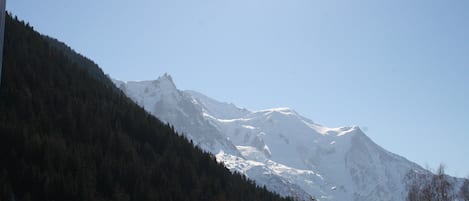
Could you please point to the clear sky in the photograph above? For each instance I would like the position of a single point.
(399, 69)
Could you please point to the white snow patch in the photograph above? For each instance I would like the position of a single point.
(249, 127)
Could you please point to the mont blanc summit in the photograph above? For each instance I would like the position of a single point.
(278, 147)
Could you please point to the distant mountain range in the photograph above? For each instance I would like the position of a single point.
(278, 147)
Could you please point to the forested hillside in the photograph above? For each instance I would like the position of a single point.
(66, 134)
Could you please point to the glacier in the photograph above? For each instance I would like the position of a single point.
(278, 148)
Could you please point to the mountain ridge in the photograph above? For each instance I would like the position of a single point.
(330, 163)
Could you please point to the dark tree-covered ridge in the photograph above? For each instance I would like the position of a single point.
(67, 135)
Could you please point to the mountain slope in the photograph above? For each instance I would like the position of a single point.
(162, 99)
(290, 153)
(189, 116)
(348, 162)
(66, 134)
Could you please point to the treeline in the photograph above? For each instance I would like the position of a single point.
(435, 187)
(68, 135)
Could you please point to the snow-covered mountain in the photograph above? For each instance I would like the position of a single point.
(162, 99)
(278, 147)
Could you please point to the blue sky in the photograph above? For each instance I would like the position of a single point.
(399, 69)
